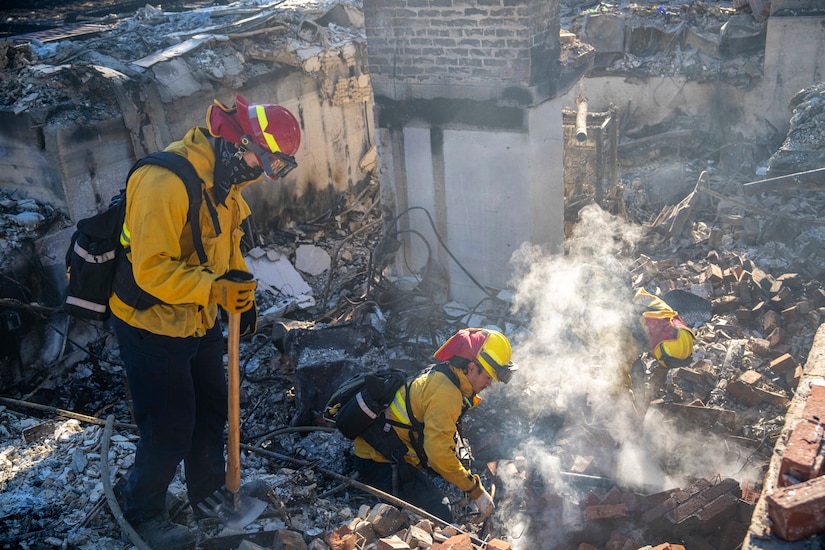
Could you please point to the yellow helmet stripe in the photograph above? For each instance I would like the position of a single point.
(270, 139)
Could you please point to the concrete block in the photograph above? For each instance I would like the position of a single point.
(175, 80)
(803, 453)
(798, 511)
(386, 519)
(392, 543)
(288, 540)
(312, 259)
(418, 537)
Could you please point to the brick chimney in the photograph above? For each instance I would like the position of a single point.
(469, 129)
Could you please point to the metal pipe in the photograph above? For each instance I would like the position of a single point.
(581, 119)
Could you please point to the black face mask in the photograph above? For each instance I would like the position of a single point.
(230, 169)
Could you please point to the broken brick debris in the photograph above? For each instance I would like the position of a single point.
(798, 511)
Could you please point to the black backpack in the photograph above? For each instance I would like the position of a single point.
(95, 257)
(362, 399)
(357, 408)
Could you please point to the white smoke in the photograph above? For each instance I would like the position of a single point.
(573, 364)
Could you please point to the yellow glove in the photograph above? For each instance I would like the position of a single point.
(234, 291)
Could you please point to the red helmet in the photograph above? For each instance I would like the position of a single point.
(270, 131)
(272, 127)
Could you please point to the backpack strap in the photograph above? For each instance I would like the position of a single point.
(182, 168)
(124, 284)
(416, 427)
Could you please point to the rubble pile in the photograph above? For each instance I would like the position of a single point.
(699, 40)
(45, 73)
(804, 146)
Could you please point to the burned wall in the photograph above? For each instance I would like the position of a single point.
(75, 116)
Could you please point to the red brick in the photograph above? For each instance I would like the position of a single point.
(682, 495)
(792, 377)
(727, 485)
(458, 542)
(606, 511)
(777, 336)
(814, 409)
(743, 392)
(782, 364)
(717, 513)
(498, 544)
(582, 464)
(770, 321)
(772, 397)
(803, 453)
(659, 510)
(790, 314)
(684, 511)
(798, 511)
(613, 496)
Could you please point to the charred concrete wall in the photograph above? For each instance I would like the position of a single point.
(468, 135)
(66, 157)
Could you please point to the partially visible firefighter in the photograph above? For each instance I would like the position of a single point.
(663, 335)
(421, 430)
(168, 324)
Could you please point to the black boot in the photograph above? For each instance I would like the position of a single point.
(160, 533)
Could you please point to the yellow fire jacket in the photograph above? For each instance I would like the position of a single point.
(162, 252)
(436, 402)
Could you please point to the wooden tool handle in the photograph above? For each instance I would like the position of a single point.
(233, 446)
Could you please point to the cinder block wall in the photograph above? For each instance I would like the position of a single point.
(469, 135)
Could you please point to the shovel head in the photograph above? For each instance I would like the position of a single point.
(234, 510)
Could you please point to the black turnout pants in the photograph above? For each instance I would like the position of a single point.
(179, 399)
(414, 486)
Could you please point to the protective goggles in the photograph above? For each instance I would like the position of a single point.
(276, 165)
(503, 373)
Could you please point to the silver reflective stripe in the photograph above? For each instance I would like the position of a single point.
(86, 304)
(99, 259)
(364, 407)
(399, 408)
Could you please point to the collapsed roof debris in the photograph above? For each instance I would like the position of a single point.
(47, 71)
(698, 40)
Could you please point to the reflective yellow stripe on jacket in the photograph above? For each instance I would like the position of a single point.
(438, 403)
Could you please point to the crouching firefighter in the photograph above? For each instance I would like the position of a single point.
(421, 424)
(662, 334)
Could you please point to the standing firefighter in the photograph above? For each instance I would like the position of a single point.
(422, 425)
(166, 318)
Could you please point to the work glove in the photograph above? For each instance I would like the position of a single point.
(234, 291)
(484, 503)
(249, 320)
